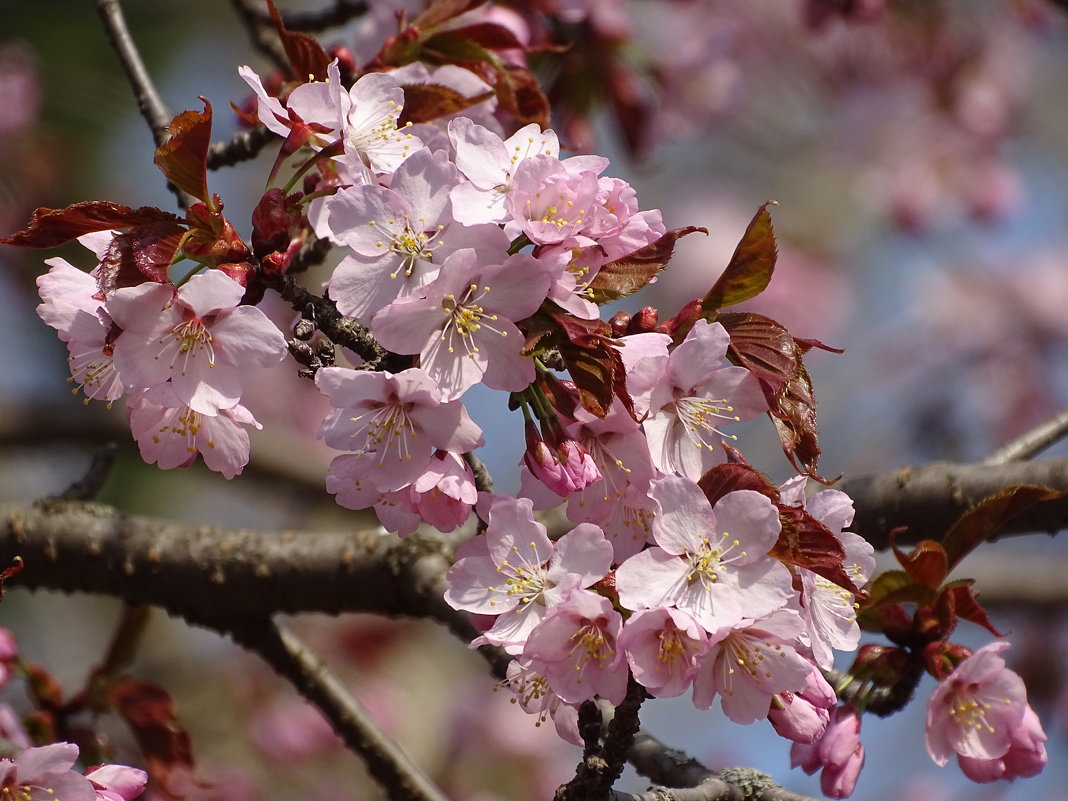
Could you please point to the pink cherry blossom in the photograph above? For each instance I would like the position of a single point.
(695, 393)
(171, 434)
(45, 772)
(803, 716)
(576, 647)
(548, 201)
(116, 782)
(434, 134)
(392, 422)
(515, 571)
(1026, 755)
(838, 753)
(664, 647)
(980, 712)
(712, 563)
(198, 338)
(464, 326)
(488, 163)
(560, 463)
(400, 236)
(829, 610)
(749, 665)
(536, 697)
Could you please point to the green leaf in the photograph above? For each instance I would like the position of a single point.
(894, 587)
(986, 518)
(627, 274)
(750, 268)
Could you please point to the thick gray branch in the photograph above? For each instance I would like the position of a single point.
(927, 500)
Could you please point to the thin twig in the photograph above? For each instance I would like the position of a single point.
(149, 102)
(261, 32)
(399, 777)
(88, 486)
(339, 13)
(1033, 442)
(244, 146)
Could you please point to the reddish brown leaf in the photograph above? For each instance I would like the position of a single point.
(12, 570)
(987, 517)
(626, 275)
(593, 360)
(767, 350)
(307, 58)
(441, 11)
(145, 252)
(806, 542)
(926, 563)
(519, 93)
(424, 102)
(149, 711)
(724, 478)
(750, 268)
(967, 606)
(275, 221)
(183, 158)
(490, 35)
(49, 228)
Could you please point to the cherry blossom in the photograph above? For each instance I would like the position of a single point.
(116, 782)
(750, 664)
(45, 772)
(838, 753)
(463, 328)
(549, 202)
(664, 647)
(576, 647)
(560, 463)
(709, 562)
(980, 712)
(488, 163)
(170, 434)
(82, 322)
(828, 609)
(803, 716)
(198, 339)
(392, 422)
(536, 697)
(400, 236)
(690, 395)
(517, 573)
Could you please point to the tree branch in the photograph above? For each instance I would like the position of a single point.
(261, 33)
(930, 498)
(244, 146)
(338, 14)
(390, 766)
(1033, 442)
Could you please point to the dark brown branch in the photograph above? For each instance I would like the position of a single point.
(244, 146)
(339, 13)
(262, 33)
(670, 768)
(388, 764)
(927, 500)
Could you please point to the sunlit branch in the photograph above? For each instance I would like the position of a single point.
(388, 764)
(1033, 442)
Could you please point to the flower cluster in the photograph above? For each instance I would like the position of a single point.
(176, 353)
